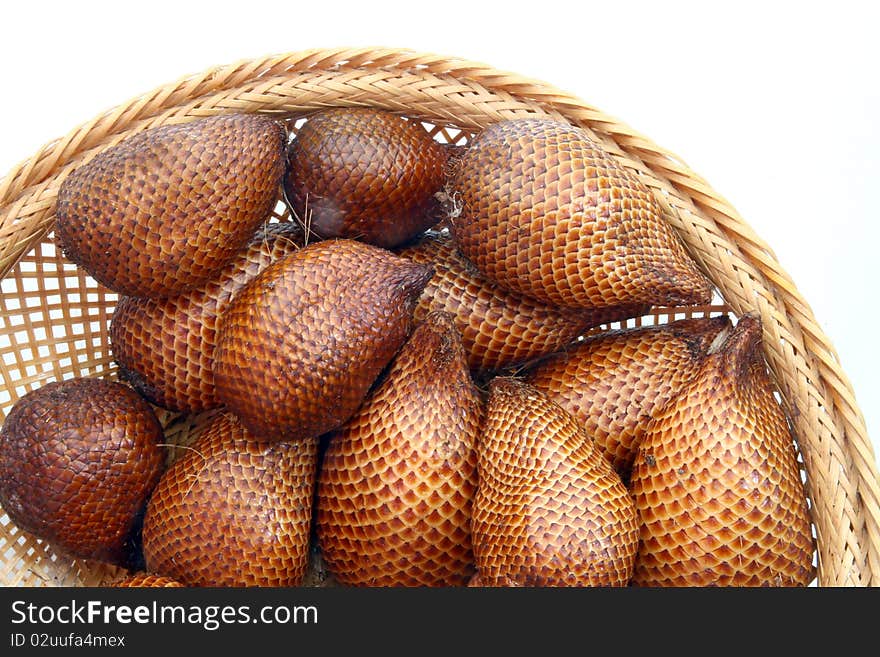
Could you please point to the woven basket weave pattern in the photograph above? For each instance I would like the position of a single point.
(54, 318)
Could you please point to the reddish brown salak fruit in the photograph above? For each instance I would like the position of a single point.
(549, 510)
(300, 345)
(165, 347)
(543, 210)
(163, 210)
(397, 480)
(143, 579)
(78, 459)
(499, 329)
(716, 480)
(365, 174)
(233, 510)
(613, 382)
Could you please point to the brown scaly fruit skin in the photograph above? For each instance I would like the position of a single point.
(234, 510)
(366, 174)
(146, 580)
(499, 329)
(716, 480)
(78, 459)
(397, 480)
(165, 347)
(613, 382)
(300, 345)
(544, 211)
(165, 209)
(549, 509)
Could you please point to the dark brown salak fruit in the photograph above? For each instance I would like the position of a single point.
(165, 347)
(78, 459)
(317, 574)
(233, 510)
(499, 329)
(163, 210)
(542, 209)
(397, 481)
(613, 382)
(365, 174)
(716, 480)
(300, 345)
(549, 509)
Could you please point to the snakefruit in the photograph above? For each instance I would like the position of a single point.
(165, 347)
(146, 580)
(499, 329)
(163, 210)
(233, 510)
(365, 174)
(549, 510)
(78, 459)
(543, 210)
(397, 480)
(716, 480)
(613, 382)
(300, 345)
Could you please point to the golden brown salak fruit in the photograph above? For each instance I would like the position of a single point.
(78, 459)
(143, 579)
(613, 382)
(365, 174)
(165, 347)
(716, 480)
(499, 329)
(543, 210)
(300, 345)
(397, 480)
(233, 510)
(549, 510)
(163, 210)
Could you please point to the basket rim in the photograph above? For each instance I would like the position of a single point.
(425, 82)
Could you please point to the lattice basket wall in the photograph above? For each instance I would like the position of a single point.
(54, 318)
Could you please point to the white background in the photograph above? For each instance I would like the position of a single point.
(775, 104)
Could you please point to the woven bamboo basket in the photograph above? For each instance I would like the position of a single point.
(54, 318)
